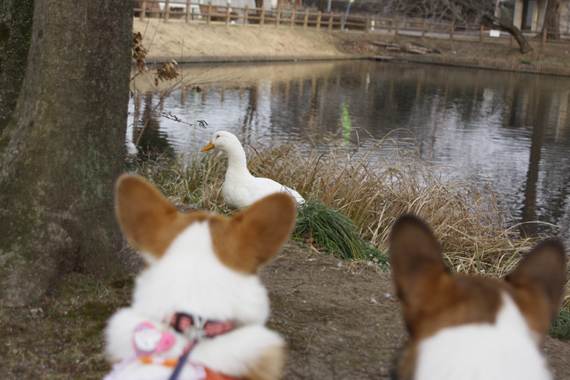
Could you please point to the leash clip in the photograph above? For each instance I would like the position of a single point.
(196, 331)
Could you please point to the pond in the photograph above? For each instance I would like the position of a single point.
(512, 130)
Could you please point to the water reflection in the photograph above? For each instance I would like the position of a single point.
(146, 133)
(512, 127)
(529, 211)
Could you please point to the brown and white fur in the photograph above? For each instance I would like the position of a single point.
(468, 327)
(205, 265)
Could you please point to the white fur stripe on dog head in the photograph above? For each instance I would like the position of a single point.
(434, 299)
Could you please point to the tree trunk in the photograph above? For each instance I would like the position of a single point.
(259, 4)
(500, 23)
(15, 34)
(63, 148)
(551, 21)
(508, 26)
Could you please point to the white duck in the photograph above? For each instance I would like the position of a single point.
(241, 189)
(131, 148)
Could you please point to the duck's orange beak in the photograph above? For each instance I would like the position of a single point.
(208, 147)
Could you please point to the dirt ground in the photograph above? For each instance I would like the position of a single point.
(341, 321)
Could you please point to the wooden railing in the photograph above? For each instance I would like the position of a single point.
(282, 17)
(189, 11)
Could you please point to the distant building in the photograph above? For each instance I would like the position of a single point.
(267, 4)
(181, 4)
(529, 15)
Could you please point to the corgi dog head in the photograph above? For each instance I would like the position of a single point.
(468, 327)
(203, 265)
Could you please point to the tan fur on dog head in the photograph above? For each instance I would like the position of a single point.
(242, 242)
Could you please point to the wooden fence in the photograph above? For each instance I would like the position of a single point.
(248, 16)
(282, 17)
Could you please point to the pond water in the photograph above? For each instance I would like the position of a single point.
(511, 129)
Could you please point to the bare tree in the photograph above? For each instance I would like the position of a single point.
(63, 148)
(551, 24)
(484, 11)
(462, 11)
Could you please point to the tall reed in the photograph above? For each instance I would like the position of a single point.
(372, 185)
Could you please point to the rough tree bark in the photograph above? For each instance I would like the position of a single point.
(551, 21)
(63, 148)
(15, 34)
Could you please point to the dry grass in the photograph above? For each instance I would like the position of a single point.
(372, 185)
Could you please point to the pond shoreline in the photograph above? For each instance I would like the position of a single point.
(200, 43)
(488, 65)
(251, 59)
(430, 60)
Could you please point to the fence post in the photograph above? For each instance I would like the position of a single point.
(544, 37)
(188, 9)
(143, 10)
(451, 30)
(262, 21)
(167, 9)
(305, 23)
(292, 18)
(228, 9)
(278, 17)
(209, 12)
(330, 20)
(319, 20)
(424, 29)
(245, 16)
(396, 24)
(481, 33)
(367, 30)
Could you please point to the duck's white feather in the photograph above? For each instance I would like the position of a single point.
(241, 189)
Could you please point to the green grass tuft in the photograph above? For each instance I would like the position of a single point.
(561, 326)
(333, 232)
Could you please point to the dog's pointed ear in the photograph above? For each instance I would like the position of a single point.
(142, 211)
(543, 270)
(416, 260)
(255, 235)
